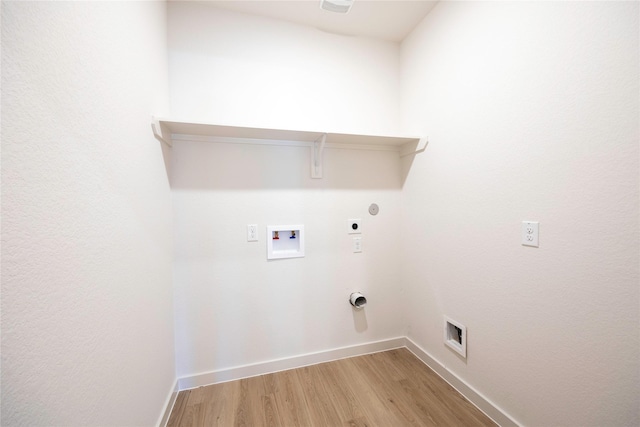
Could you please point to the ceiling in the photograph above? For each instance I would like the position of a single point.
(390, 20)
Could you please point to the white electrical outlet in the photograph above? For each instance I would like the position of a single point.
(252, 232)
(357, 244)
(530, 233)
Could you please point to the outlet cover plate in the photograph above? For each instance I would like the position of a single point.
(252, 232)
(530, 232)
(357, 244)
(354, 226)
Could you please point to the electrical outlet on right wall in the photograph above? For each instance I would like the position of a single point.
(530, 233)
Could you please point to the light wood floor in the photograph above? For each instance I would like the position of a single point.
(388, 389)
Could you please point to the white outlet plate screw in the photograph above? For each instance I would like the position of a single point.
(530, 233)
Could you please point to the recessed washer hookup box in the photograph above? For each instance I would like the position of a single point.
(285, 241)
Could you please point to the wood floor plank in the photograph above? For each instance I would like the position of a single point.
(271, 414)
(446, 405)
(367, 394)
(178, 408)
(358, 422)
(392, 391)
(394, 394)
(218, 401)
(317, 397)
(248, 410)
(343, 401)
(270, 383)
(290, 400)
(391, 388)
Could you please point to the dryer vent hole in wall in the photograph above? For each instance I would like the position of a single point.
(357, 300)
(455, 336)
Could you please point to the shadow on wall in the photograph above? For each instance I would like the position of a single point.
(360, 320)
(222, 166)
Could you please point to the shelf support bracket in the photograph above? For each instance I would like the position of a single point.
(317, 149)
(414, 147)
(160, 131)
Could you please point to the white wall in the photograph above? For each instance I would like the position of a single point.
(532, 112)
(233, 68)
(233, 307)
(87, 323)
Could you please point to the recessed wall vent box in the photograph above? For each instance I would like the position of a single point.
(337, 6)
(455, 336)
(285, 241)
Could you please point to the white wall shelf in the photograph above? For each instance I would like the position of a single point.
(168, 131)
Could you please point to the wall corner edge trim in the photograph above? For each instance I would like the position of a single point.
(168, 405)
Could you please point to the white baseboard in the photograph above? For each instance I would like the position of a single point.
(246, 371)
(168, 405)
(252, 370)
(485, 405)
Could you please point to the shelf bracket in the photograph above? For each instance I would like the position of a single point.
(160, 131)
(414, 147)
(317, 149)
